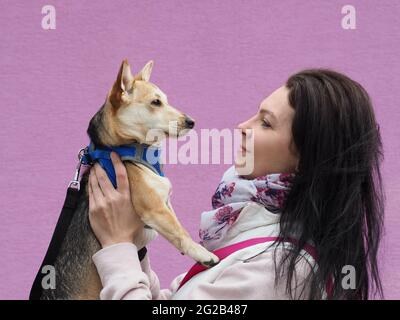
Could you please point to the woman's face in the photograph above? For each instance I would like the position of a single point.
(273, 150)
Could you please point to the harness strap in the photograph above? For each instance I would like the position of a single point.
(226, 251)
(146, 155)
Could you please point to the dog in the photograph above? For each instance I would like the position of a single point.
(133, 106)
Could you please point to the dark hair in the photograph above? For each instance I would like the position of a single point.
(336, 199)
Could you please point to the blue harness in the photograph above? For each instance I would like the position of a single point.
(135, 152)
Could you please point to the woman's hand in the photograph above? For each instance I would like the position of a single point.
(111, 212)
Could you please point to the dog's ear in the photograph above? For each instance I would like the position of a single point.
(145, 73)
(122, 86)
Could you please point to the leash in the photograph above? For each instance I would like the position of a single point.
(226, 251)
(74, 192)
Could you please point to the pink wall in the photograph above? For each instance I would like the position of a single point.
(215, 59)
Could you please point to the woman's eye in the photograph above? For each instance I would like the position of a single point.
(265, 124)
(156, 102)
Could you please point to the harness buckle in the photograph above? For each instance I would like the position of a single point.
(75, 183)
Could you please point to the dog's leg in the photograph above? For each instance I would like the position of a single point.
(164, 222)
(155, 212)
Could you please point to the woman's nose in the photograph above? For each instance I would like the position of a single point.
(246, 129)
(242, 126)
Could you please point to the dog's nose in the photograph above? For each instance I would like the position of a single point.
(189, 123)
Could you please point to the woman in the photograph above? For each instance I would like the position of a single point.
(316, 179)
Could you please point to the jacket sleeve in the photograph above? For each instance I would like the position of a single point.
(124, 277)
(157, 293)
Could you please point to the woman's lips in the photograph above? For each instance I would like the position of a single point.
(243, 148)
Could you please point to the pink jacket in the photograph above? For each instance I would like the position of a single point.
(248, 273)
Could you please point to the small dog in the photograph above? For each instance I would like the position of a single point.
(132, 107)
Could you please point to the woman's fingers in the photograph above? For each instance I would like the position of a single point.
(120, 173)
(103, 180)
(92, 203)
(96, 191)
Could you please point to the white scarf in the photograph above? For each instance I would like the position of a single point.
(232, 194)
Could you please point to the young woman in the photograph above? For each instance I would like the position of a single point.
(316, 179)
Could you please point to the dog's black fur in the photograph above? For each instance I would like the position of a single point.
(74, 264)
(74, 261)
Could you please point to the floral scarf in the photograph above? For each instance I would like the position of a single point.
(232, 194)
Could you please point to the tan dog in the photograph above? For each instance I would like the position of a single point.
(132, 108)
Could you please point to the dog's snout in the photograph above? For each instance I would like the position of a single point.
(189, 122)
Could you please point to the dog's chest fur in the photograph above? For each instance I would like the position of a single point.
(161, 185)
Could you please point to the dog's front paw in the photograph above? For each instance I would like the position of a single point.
(214, 260)
(203, 256)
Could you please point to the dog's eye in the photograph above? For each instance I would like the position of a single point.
(156, 102)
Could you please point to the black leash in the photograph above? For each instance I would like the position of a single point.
(60, 231)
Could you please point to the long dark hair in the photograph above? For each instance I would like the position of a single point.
(337, 198)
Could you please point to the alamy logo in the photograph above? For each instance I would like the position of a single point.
(49, 20)
(349, 278)
(49, 280)
(349, 20)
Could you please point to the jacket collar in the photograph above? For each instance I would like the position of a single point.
(253, 221)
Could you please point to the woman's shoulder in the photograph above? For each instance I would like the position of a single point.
(253, 273)
(259, 265)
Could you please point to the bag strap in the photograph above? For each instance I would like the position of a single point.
(226, 251)
(60, 231)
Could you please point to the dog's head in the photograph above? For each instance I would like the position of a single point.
(141, 110)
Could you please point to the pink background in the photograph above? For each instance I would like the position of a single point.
(214, 59)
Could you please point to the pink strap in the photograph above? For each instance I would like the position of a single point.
(226, 251)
